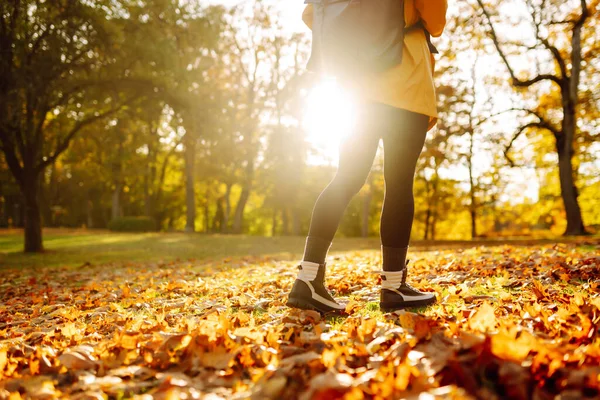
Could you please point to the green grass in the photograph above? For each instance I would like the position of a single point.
(72, 248)
(75, 248)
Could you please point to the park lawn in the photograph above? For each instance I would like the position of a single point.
(74, 248)
(512, 321)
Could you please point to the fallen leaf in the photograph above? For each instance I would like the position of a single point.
(300, 359)
(216, 360)
(508, 347)
(78, 358)
(484, 319)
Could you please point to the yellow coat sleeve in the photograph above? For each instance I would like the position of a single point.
(433, 15)
(307, 15)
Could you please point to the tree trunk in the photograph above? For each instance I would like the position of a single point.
(227, 212)
(567, 184)
(3, 208)
(151, 169)
(116, 200)
(207, 211)
(158, 188)
(428, 211)
(564, 141)
(497, 222)
(274, 222)
(89, 208)
(434, 207)
(473, 205)
(239, 210)
(366, 213)
(427, 218)
(147, 197)
(48, 195)
(431, 214)
(118, 187)
(473, 221)
(33, 217)
(117, 178)
(219, 216)
(190, 197)
(295, 221)
(238, 220)
(285, 221)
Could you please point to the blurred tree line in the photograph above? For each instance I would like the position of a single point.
(191, 115)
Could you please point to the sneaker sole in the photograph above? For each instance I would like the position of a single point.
(389, 307)
(306, 304)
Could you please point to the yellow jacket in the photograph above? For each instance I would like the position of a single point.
(409, 85)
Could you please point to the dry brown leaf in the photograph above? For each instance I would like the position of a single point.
(129, 342)
(484, 318)
(89, 395)
(300, 359)
(79, 358)
(133, 371)
(249, 333)
(271, 389)
(507, 347)
(217, 359)
(40, 387)
(194, 331)
(3, 360)
(327, 385)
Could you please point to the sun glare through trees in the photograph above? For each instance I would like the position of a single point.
(330, 115)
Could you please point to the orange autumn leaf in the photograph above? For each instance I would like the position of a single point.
(484, 318)
(182, 327)
(510, 348)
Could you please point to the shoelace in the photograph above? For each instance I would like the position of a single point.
(404, 275)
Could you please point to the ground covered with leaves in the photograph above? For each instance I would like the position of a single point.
(511, 322)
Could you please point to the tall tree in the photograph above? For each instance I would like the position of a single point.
(53, 84)
(251, 44)
(549, 20)
(286, 151)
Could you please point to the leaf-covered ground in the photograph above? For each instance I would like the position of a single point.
(512, 322)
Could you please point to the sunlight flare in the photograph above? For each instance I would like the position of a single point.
(330, 115)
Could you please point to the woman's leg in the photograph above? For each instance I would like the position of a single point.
(402, 143)
(356, 158)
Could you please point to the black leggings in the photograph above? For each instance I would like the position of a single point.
(403, 133)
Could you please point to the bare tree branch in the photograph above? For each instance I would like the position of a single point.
(2, 23)
(38, 42)
(576, 59)
(555, 52)
(568, 21)
(241, 62)
(516, 136)
(537, 22)
(542, 120)
(163, 170)
(10, 154)
(64, 144)
(585, 13)
(516, 81)
(539, 78)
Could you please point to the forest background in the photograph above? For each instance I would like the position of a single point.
(199, 116)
